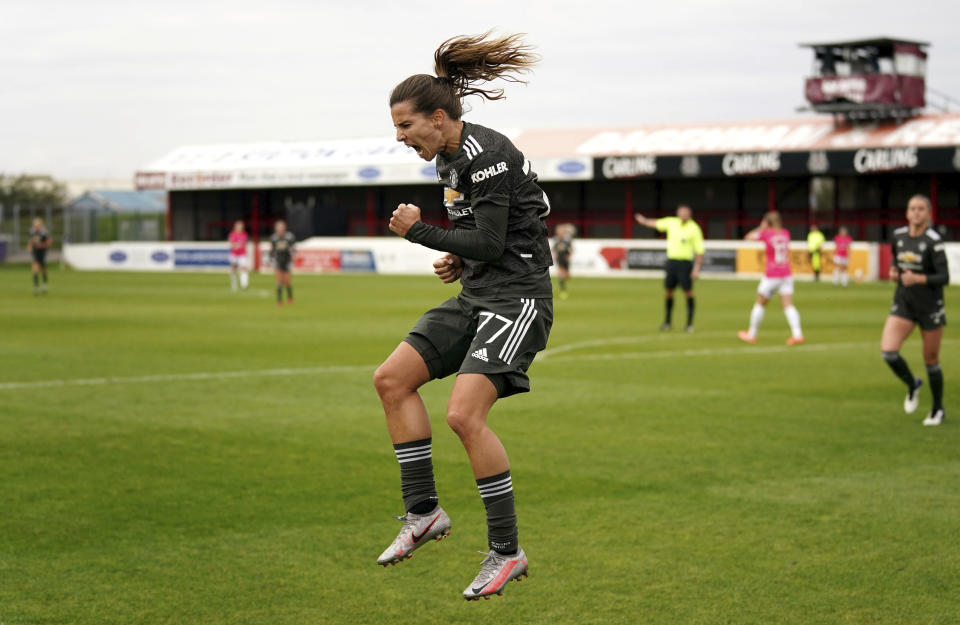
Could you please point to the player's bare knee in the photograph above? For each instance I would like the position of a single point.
(389, 382)
(463, 422)
(931, 359)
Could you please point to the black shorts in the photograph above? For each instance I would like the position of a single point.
(678, 272)
(563, 261)
(283, 264)
(926, 310)
(40, 256)
(497, 336)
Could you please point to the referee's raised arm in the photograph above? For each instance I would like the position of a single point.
(645, 221)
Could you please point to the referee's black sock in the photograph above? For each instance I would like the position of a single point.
(290, 292)
(690, 305)
(497, 494)
(36, 280)
(669, 306)
(900, 368)
(563, 284)
(44, 274)
(935, 375)
(279, 294)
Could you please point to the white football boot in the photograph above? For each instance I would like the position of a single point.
(496, 571)
(934, 418)
(913, 398)
(417, 530)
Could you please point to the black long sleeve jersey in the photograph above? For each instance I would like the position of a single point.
(923, 254)
(497, 209)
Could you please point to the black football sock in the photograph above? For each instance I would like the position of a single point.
(36, 280)
(900, 368)
(690, 307)
(669, 309)
(290, 292)
(416, 475)
(497, 494)
(935, 375)
(44, 276)
(563, 284)
(280, 294)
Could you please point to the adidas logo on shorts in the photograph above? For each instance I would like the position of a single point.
(481, 354)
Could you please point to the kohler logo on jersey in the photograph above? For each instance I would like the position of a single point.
(629, 167)
(488, 172)
(884, 159)
(736, 164)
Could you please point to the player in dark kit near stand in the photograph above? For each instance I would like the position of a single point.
(282, 244)
(919, 267)
(684, 258)
(563, 250)
(37, 246)
(489, 334)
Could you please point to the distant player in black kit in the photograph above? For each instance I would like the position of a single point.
(282, 244)
(37, 246)
(563, 250)
(920, 269)
(489, 334)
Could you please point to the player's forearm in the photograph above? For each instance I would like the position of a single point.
(698, 261)
(484, 244)
(940, 275)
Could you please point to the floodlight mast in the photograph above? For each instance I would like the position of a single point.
(868, 79)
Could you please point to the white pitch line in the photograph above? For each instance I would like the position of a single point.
(643, 338)
(722, 351)
(183, 377)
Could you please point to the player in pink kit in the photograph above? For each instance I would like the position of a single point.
(238, 256)
(841, 257)
(777, 279)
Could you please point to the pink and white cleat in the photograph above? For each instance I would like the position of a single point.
(417, 530)
(496, 571)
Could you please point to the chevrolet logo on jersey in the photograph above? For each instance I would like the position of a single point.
(909, 257)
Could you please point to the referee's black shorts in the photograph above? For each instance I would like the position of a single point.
(678, 273)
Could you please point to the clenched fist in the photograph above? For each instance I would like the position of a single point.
(448, 268)
(405, 216)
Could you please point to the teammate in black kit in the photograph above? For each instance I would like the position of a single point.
(920, 269)
(489, 334)
(282, 243)
(39, 242)
(563, 250)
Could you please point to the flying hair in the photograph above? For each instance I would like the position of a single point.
(460, 64)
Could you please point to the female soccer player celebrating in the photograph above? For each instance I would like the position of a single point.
(920, 270)
(777, 278)
(489, 334)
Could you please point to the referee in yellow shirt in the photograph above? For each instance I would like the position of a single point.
(684, 257)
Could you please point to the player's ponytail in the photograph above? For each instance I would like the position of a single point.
(462, 62)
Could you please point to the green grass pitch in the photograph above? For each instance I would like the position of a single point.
(174, 453)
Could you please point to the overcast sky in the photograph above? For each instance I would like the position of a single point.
(99, 89)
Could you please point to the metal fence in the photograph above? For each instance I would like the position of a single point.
(77, 226)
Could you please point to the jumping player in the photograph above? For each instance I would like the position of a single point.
(37, 246)
(841, 257)
(489, 334)
(563, 249)
(238, 256)
(815, 242)
(920, 270)
(777, 278)
(684, 258)
(282, 244)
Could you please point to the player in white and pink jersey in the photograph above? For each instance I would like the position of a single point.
(841, 257)
(777, 278)
(238, 256)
